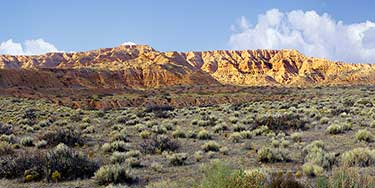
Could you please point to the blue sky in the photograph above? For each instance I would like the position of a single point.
(78, 25)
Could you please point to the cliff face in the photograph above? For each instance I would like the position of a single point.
(141, 66)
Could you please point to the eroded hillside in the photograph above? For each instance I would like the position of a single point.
(140, 66)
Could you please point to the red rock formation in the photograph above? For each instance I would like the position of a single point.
(140, 66)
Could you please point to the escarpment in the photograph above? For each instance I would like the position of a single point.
(142, 67)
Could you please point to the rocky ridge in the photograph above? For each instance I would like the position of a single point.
(141, 67)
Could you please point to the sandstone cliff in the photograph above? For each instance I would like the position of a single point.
(140, 66)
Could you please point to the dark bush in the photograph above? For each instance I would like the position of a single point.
(154, 108)
(6, 149)
(209, 120)
(69, 163)
(158, 144)
(122, 119)
(159, 111)
(14, 166)
(339, 110)
(278, 180)
(282, 122)
(76, 117)
(35, 166)
(6, 129)
(30, 114)
(162, 114)
(67, 136)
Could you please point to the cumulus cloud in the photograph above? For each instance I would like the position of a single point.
(310, 33)
(29, 47)
(128, 43)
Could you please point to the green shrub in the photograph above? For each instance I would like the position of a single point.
(238, 128)
(56, 176)
(224, 150)
(220, 175)
(177, 159)
(216, 175)
(372, 125)
(145, 134)
(350, 177)
(203, 123)
(115, 173)
(267, 154)
(255, 178)
(312, 145)
(159, 129)
(311, 169)
(41, 144)
(296, 137)
(262, 130)
(106, 147)
(32, 175)
(204, 135)
(233, 120)
(133, 162)
(246, 134)
(324, 120)
(198, 156)
(337, 128)
(315, 153)
(118, 157)
(235, 137)
(133, 153)
(207, 121)
(158, 144)
(8, 138)
(6, 149)
(119, 146)
(178, 133)
(360, 157)
(165, 184)
(275, 143)
(334, 129)
(322, 182)
(211, 146)
(120, 136)
(220, 128)
(364, 135)
(27, 141)
(284, 143)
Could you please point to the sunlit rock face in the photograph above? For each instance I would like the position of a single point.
(141, 66)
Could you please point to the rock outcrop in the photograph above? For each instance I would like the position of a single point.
(140, 66)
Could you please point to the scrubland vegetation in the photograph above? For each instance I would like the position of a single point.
(324, 138)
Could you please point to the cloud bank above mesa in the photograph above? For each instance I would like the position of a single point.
(310, 33)
(28, 47)
(33, 47)
(307, 31)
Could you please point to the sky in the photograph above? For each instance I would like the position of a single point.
(333, 29)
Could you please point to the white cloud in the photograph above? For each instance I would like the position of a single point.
(128, 43)
(29, 47)
(10, 47)
(310, 33)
